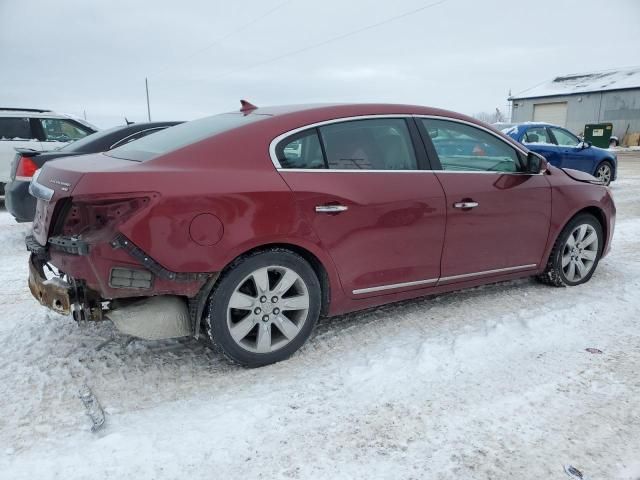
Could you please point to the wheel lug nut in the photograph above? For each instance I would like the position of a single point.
(274, 299)
(263, 299)
(276, 311)
(265, 318)
(257, 310)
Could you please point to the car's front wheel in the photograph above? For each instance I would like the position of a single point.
(604, 172)
(264, 307)
(576, 252)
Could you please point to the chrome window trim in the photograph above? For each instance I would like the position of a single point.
(437, 281)
(275, 141)
(279, 167)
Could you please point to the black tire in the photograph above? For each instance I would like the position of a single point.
(232, 278)
(605, 163)
(554, 273)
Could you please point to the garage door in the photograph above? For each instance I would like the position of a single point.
(555, 113)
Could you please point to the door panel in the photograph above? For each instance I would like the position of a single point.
(391, 232)
(508, 228)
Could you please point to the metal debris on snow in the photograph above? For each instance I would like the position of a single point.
(91, 404)
(573, 472)
(593, 350)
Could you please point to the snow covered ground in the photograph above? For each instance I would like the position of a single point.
(492, 382)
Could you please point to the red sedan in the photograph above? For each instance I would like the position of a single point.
(255, 223)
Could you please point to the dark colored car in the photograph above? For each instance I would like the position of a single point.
(562, 148)
(253, 224)
(17, 199)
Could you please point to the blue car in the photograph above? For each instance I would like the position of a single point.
(563, 149)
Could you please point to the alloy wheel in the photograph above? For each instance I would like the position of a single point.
(580, 253)
(267, 309)
(604, 174)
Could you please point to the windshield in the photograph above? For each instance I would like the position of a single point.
(182, 135)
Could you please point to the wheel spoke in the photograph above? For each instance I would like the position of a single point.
(571, 272)
(241, 301)
(589, 255)
(582, 232)
(571, 241)
(263, 344)
(287, 327)
(566, 259)
(261, 279)
(285, 283)
(242, 328)
(301, 302)
(582, 269)
(592, 237)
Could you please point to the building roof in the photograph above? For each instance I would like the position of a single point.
(572, 84)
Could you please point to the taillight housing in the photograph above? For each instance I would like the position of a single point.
(98, 215)
(25, 169)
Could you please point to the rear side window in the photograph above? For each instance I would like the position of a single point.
(302, 150)
(182, 135)
(13, 128)
(372, 144)
(461, 147)
(61, 130)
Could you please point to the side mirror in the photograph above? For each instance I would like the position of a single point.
(536, 163)
(582, 145)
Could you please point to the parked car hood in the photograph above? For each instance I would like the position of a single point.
(581, 176)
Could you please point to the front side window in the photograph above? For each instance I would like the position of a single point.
(61, 130)
(536, 135)
(462, 147)
(302, 150)
(13, 128)
(564, 138)
(375, 144)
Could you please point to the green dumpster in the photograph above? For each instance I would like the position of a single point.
(598, 134)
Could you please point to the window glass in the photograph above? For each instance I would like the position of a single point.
(60, 130)
(462, 147)
(565, 138)
(302, 150)
(536, 135)
(182, 135)
(13, 128)
(376, 144)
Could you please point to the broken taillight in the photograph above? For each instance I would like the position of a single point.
(94, 215)
(25, 169)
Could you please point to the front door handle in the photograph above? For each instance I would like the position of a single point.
(331, 208)
(465, 205)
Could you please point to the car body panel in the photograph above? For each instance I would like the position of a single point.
(231, 177)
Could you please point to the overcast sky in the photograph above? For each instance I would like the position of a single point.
(464, 55)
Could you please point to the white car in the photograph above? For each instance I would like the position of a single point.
(36, 129)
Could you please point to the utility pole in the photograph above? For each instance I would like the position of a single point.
(146, 84)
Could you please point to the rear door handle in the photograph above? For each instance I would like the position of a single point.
(331, 208)
(465, 205)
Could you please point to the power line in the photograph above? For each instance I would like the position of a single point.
(334, 39)
(221, 39)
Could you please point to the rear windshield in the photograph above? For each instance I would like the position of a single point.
(182, 135)
(83, 143)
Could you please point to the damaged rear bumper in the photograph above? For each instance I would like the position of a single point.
(53, 293)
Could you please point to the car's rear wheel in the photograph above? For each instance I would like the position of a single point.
(576, 252)
(264, 307)
(604, 172)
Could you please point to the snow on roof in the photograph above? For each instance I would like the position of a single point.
(617, 79)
